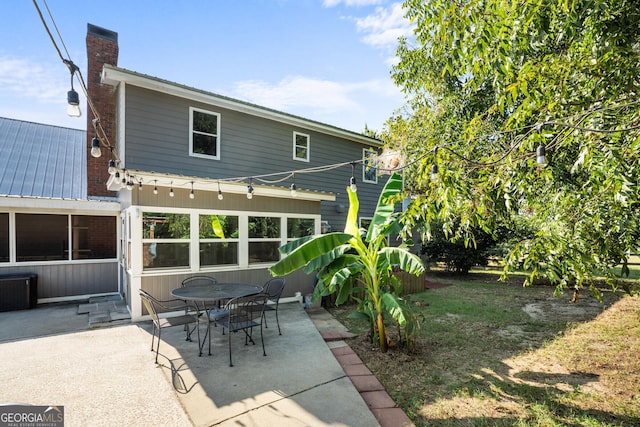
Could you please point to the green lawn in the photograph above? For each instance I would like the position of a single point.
(498, 354)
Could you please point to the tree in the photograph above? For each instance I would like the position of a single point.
(490, 81)
(361, 257)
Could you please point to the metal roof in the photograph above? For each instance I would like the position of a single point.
(38, 160)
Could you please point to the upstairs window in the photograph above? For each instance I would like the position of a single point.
(369, 173)
(204, 135)
(300, 147)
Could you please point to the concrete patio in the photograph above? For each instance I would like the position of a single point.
(107, 376)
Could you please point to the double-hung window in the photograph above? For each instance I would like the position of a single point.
(218, 240)
(204, 134)
(369, 172)
(301, 146)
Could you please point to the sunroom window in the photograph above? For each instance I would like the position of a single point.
(165, 240)
(264, 239)
(300, 227)
(204, 135)
(218, 240)
(4, 237)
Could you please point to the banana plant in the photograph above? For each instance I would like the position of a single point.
(356, 257)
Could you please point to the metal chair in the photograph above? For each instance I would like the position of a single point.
(244, 314)
(273, 289)
(153, 306)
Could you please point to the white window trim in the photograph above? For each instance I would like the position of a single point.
(295, 134)
(365, 154)
(243, 239)
(203, 156)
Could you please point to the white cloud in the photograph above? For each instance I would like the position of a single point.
(297, 91)
(348, 105)
(27, 79)
(384, 26)
(37, 92)
(333, 3)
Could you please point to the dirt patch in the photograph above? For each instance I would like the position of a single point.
(435, 285)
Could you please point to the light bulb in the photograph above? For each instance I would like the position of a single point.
(95, 147)
(220, 196)
(352, 184)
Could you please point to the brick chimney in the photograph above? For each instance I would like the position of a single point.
(102, 48)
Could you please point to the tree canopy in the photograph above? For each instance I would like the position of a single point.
(487, 82)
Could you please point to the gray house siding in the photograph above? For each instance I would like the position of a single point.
(157, 139)
(61, 281)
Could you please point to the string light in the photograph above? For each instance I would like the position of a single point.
(250, 190)
(352, 181)
(171, 190)
(294, 190)
(192, 194)
(155, 186)
(101, 137)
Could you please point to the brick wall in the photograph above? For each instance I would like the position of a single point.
(102, 48)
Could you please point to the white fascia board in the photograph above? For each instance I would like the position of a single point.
(205, 184)
(113, 76)
(62, 205)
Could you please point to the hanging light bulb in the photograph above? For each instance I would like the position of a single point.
(129, 184)
(155, 186)
(171, 190)
(112, 167)
(192, 194)
(140, 185)
(73, 100)
(541, 156)
(434, 172)
(95, 147)
(249, 191)
(220, 196)
(294, 189)
(352, 181)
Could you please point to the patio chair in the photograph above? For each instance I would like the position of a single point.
(244, 314)
(273, 289)
(154, 306)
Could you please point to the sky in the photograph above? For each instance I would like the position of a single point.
(324, 60)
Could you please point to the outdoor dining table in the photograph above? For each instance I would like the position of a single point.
(205, 297)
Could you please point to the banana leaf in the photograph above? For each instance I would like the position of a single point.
(407, 261)
(385, 208)
(309, 250)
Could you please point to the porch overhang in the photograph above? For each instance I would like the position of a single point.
(209, 184)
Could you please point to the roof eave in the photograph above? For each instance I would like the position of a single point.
(113, 76)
